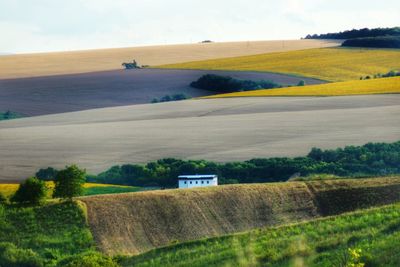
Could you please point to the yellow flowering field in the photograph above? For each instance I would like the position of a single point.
(330, 64)
(356, 87)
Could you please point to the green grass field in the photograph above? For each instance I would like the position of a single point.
(89, 189)
(373, 233)
(47, 233)
(330, 64)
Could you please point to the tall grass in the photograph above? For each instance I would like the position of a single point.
(375, 233)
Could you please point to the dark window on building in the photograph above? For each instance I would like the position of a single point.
(196, 182)
(202, 182)
(208, 182)
(185, 182)
(190, 182)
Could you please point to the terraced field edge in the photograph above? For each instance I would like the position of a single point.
(131, 224)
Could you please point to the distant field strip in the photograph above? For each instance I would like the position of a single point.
(90, 189)
(56, 63)
(356, 87)
(330, 64)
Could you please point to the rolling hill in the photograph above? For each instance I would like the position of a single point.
(138, 222)
(330, 64)
(368, 236)
(73, 62)
(357, 87)
(66, 93)
(214, 129)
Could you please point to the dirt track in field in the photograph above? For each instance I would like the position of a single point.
(65, 93)
(43, 64)
(213, 129)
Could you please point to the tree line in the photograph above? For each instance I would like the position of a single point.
(372, 159)
(357, 33)
(227, 84)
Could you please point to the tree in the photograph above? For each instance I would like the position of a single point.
(301, 83)
(32, 191)
(47, 174)
(69, 182)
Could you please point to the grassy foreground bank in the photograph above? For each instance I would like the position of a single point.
(373, 234)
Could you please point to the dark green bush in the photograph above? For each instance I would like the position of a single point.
(11, 256)
(226, 84)
(88, 259)
(69, 182)
(32, 191)
(48, 174)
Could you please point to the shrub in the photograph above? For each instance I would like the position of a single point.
(69, 182)
(11, 256)
(131, 65)
(47, 174)
(88, 259)
(227, 84)
(301, 83)
(167, 98)
(32, 191)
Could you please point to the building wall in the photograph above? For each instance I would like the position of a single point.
(197, 183)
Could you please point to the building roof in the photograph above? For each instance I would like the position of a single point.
(204, 176)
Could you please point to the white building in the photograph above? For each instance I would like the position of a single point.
(190, 181)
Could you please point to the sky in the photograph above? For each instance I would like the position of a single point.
(60, 25)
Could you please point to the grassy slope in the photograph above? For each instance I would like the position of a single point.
(53, 231)
(321, 242)
(135, 223)
(331, 64)
(90, 189)
(43, 64)
(356, 87)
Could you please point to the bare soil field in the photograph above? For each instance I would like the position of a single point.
(214, 129)
(74, 92)
(43, 64)
(137, 222)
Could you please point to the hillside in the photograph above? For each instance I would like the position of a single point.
(135, 223)
(44, 64)
(373, 234)
(213, 129)
(356, 87)
(331, 64)
(33, 236)
(66, 93)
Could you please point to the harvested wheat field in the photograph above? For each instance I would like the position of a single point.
(356, 87)
(74, 92)
(43, 64)
(330, 64)
(135, 223)
(215, 129)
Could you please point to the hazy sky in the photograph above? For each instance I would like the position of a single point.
(54, 25)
